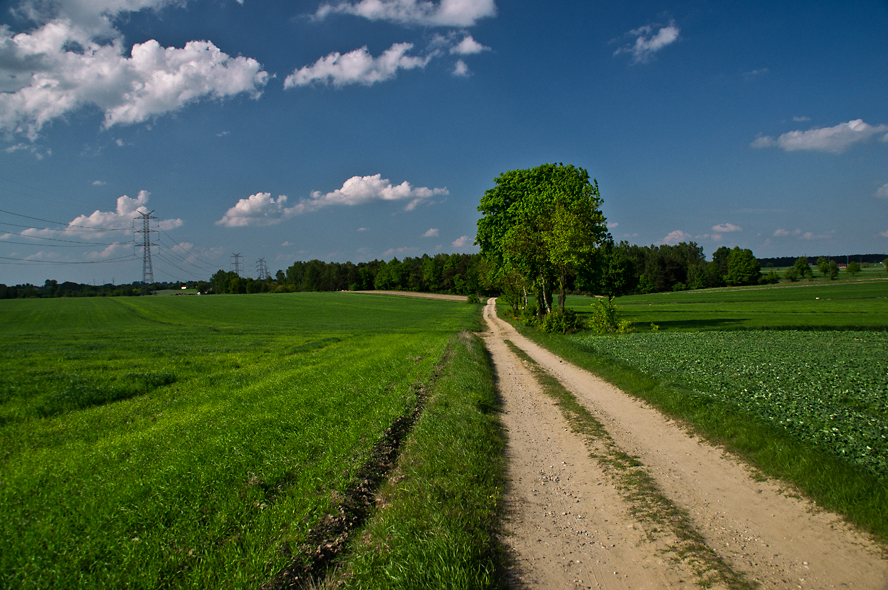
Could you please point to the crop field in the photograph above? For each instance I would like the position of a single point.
(830, 388)
(195, 441)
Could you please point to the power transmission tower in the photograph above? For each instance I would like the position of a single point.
(147, 270)
(263, 270)
(236, 263)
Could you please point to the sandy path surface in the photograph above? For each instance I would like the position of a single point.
(569, 527)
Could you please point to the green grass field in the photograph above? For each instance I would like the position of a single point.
(790, 376)
(195, 441)
(858, 305)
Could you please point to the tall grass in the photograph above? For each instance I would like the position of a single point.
(207, 435)
(438, 519)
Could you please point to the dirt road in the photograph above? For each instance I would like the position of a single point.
(573, 524)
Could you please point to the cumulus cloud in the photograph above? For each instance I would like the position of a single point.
(448, 13)
(834, 140)
(884, 233)
(461, 242)
(357, 67)
(257, 210)
(460, 68)
(103, 224)
(781, 233)
(75, 58)
(649, 40)
(431, 233)
(260, 209)
(468, 46)
(882, 193)
(726, 228)
(676, 237)
(358, 190)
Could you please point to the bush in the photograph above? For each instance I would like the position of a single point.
(606, 318)
(530, 314)
(562, 322)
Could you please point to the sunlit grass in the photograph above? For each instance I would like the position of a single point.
(210, 435)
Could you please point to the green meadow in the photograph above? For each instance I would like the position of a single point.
(792, 377)
(815, 305)
(197, 441)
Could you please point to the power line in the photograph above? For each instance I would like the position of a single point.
(24, 235)
(236, 263)
(31, 261)
(68, 227)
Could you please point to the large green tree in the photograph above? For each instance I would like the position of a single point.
(743, 267)
(542, 224)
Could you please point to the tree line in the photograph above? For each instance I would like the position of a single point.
(615, 269)
(457, 274)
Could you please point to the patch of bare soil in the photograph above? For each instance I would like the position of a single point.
(571, 526)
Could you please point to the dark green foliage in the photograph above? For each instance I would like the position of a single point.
(542, 225)
(823, 266)
(743, 268)
(562, 321)
(853, 268)
(608, 319)
(833, 270)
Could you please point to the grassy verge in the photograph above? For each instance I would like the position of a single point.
(639, 489)
(436, 526)
(831, 483)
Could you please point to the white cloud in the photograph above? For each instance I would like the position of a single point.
(100, 224)
(113, 251)
(99, 183)
(882, 193)
(884, 233)
(261, 209)
(431, 233)
(257, 210)
(676, 237)
(650, 39)
(461, 242)
(73, 62)
(801, 119)
(468, 46)
(449, 13)
(460, 68)
(358, 190)
(726, 228)
(835, 139)
(363, 229)
(357, 67)
(812, 236)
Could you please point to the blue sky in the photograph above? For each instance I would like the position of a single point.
(369, 129)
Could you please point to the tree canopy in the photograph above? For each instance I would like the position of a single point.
(540, 226)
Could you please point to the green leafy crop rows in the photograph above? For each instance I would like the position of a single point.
(827, 387)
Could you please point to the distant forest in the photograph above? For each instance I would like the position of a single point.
(620, 269)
